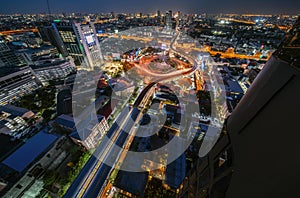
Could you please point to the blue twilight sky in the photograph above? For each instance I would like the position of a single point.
(150, 6)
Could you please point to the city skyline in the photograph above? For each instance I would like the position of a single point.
(129, 6)
(153, 103)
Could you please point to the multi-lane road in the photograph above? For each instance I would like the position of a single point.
(94, 176)
(95, 173)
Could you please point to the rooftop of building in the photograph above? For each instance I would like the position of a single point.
(7, 70)
(134, 183)
(32, 149)
(234, 86)
(84, 128)
(175, 172)
(65, 121)
(50, 63)
(36, 50)
(13, 110)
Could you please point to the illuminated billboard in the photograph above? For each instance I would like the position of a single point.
(89, 39)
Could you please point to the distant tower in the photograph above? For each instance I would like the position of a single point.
(158, 14)
(112, 14)
(49, 10)
(169, 16)
(178, 19)
(179, 14)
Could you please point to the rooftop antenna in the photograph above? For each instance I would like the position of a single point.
(49, 11)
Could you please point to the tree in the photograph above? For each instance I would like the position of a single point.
(49, 177)
(47, 114)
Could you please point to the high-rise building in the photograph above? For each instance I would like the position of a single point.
(89, 131)
(8, 57)
(56, 69)
(178, 20)
(47, 33)
(88, 39)
(179, 14)
(76, 40)
(69, 41)
(158, 14)
(169, 16)
(112, 14)
(64, 101)
(16, 82)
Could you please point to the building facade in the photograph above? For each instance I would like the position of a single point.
(88, 39)
(17, 82)
(57, 69)
(69, 40)
(90, 131)
(8, 57)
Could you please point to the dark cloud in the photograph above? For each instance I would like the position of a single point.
(187, 6)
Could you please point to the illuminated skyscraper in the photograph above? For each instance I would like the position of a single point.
(48, 34)
(88, 39)
(69, 42)
(76, 40)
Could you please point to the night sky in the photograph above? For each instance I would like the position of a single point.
(150, 6)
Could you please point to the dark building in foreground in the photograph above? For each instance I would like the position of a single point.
(175, 172)
(131, 184)
(257, 153)
(23, 157)
(21, 168)
(64, 101)
(264, 128)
